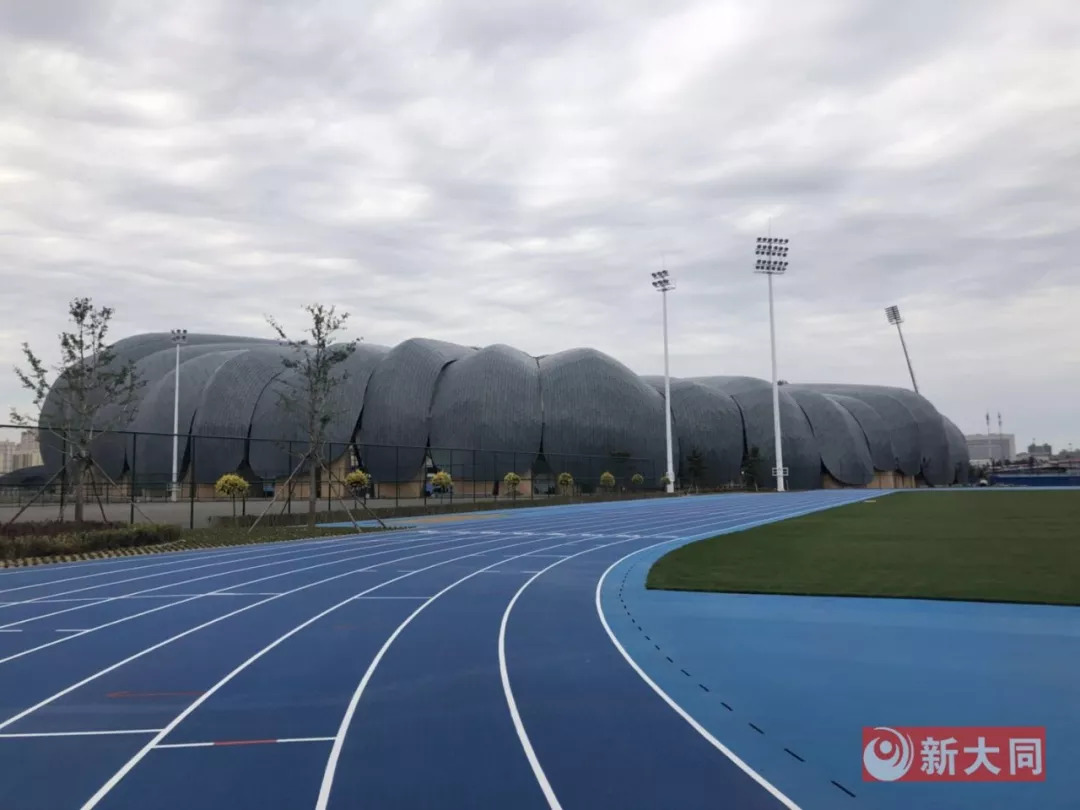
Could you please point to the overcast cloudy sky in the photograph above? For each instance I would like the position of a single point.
(512, 172)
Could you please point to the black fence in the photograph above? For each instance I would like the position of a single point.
(136, 468)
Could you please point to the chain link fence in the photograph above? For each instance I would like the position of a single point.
(131, 476)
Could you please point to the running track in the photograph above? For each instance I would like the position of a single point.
(463, 665)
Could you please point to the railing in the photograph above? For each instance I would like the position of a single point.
(136, 469)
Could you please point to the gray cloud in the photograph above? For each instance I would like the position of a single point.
(512, 172)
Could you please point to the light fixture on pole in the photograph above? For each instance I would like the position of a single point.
(179, 337)
(893, 314)
(663, 284)
(772, 261)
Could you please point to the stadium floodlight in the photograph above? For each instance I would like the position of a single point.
(179, 337)
(893, 314)
(663, 284)
(775, 251)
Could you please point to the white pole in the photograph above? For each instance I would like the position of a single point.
(667, 403)
(176, 424)
(907, 357)
(775, 395)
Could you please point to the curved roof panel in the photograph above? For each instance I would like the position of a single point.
(933, 443)
(754, 398)
(130, 349)
(959, 457)
(226, 408)
(152, 450)
(878, 438)
(279, 436)
(842, 443)
(898, 419)
(706, 420)
(486, 402)
(598, 413)
(395, 424)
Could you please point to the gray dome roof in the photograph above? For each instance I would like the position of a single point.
(482, 412)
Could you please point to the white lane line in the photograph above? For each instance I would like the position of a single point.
(54, 601)
(10, 630)
(80, 630)
(221, 556)
(350, 711)
(377, 596)
(700, 729)
(233, 593)
(106, 599)
(263, 556)
(31, 734)
(131, 763)
(441, 545)
(232, 743)
(508, 693)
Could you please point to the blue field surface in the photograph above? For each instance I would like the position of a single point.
(460, 664)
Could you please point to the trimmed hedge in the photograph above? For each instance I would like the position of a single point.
(459, 505)
(48, 545)
(50, 528)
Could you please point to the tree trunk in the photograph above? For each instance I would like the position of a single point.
(80, 489)
(234, 507)
(313, 491)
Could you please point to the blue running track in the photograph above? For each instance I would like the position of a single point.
(458, 665)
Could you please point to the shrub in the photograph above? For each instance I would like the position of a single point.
(442, 481)
(607, 480)
(637, 480)
(149, 534)
(664, 480)
(512, 481)
(230, 485)
(566, 483)
(357, 481)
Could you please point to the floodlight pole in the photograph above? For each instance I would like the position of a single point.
(179, 337)
(770, 246)
(663, 284)
(893, 314)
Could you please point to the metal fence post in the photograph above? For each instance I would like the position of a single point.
(191, 519)
(63, 476)
(397, 474)
(289, 483)
(134, 460)
(475, 471)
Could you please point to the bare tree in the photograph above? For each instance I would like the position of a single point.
(90, 395)
(309, 392)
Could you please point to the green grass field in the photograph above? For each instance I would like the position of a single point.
(991, 546)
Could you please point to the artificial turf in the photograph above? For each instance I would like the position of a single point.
(1001, 546)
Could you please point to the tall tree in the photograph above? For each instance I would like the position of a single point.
(316, 375)
(751, 468)
(92, 393)
(695, 465)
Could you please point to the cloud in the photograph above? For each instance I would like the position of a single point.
(512, 172)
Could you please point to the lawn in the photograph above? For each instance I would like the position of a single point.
(982, 545)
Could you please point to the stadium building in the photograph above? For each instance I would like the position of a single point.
(480, 413)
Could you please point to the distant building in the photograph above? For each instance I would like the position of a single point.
(995, 447)
(20, 454)
(1043, 452)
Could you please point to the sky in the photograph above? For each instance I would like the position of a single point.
(512, 173)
